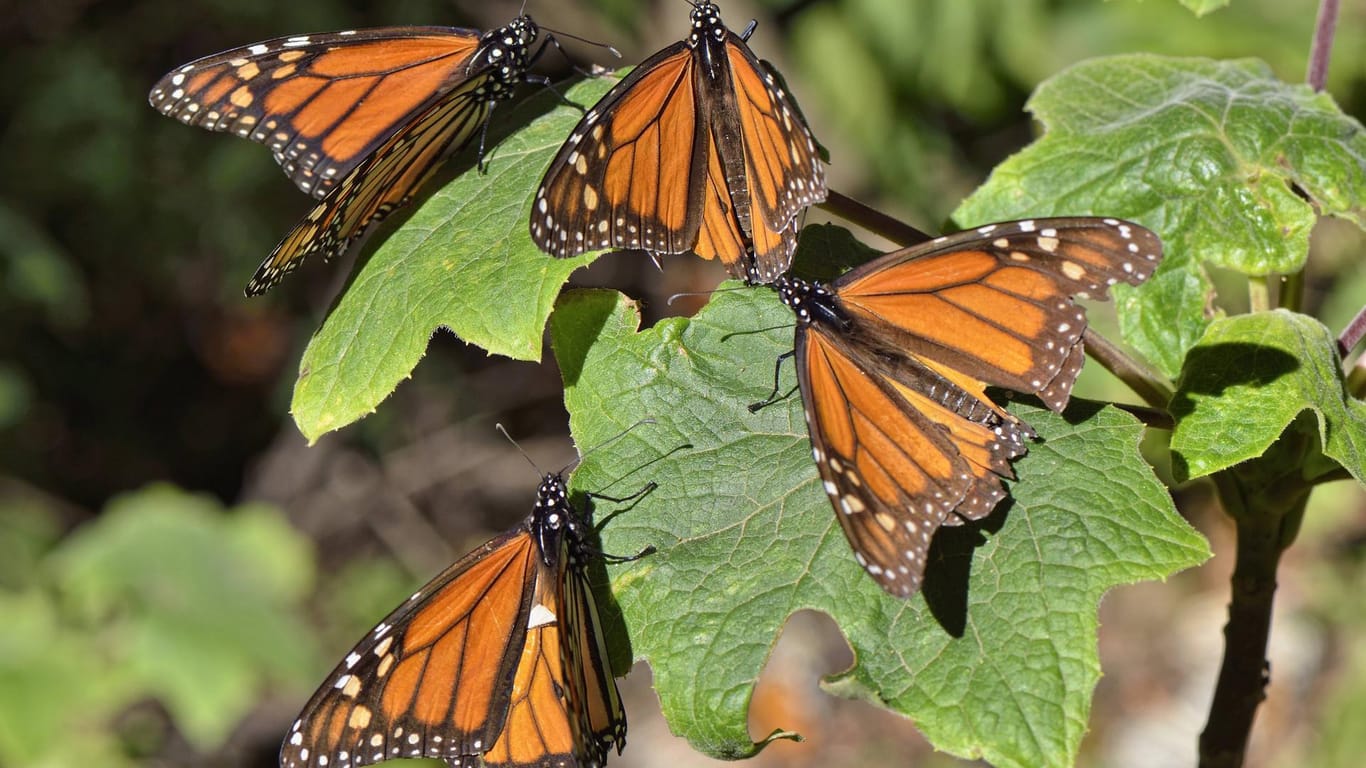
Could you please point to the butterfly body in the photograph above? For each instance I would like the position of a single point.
(499, 659)
(357, 119)
(894, 359)
(698, 149)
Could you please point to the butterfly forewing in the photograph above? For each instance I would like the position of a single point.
(433, 678)
(320, 102)
(628, 176)
(782, 166)
(996, 302)
(600, 720)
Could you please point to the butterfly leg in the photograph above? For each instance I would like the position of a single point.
(649, 550)
(777, 375)
(650, 486)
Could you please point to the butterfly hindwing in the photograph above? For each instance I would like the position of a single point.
(386, 180)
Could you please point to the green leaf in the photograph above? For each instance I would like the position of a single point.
(1202, 7)
(54, 685)
(195, 607)
(1248, 379)
(463, 261)
(1212, 155)
(996, 659)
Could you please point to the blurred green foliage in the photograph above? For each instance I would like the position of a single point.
(165, 596)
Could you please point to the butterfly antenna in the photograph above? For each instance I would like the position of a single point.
(605, 443)
(500, 428)
(610, 49)
(670, 300)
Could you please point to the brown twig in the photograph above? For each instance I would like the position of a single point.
(1352, 334)
(1322, 48)
(1144, 381)
(873, 220)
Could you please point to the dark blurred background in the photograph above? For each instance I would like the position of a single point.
(177, 567)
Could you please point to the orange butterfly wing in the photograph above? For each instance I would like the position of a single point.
(629, 176)
(499, 656)
(894, 360)
(599, 720)
(320, 102)
(893, 471)
(697, 149)
(432, 679)
(565, 709)
(783, 170)
(996, 302)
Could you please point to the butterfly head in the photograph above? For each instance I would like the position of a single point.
(706, 22)
(506, 54)
(811, 301)
(552, 515)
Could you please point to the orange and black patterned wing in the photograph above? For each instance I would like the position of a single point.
(630, 174)
(596, 710)
(384, 181)
(322, 103)
(435, 678)
(698, 149)
(995, 304)
(539, 728)
(897, 463)
(782, 170)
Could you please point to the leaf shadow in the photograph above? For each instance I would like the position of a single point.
(950, 567)
(591, 318)
(1211, 370)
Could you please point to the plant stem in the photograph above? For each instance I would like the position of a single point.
(1245, 671)
(1291, 295)
(1322, 48)
(1258, 294)
(1144, 381)
(1352, 333)
(873, 220)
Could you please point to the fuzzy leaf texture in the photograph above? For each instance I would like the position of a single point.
(996, 659)
(1248, 379)
(463, 260)
(1212, 155)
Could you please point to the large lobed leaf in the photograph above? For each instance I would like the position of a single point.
(1228, 164)
(1247, 381)
(463, 260)
(996, 659)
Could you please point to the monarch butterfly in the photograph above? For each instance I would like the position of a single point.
(700, 148)
(358, 119)
(501, 656)
(893, 360)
